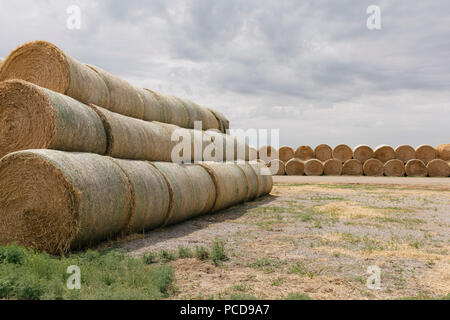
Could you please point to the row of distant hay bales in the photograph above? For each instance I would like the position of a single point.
(363, 160)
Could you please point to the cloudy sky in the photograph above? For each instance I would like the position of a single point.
(309, 68)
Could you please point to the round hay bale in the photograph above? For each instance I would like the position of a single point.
(443, 151)
(373, 168)
(224, 123)
(267, 154)
(286, 153)
(313, 167)
(384, 153)
(332, 167)
(253, 154)
(54, 200)
(265, 179)
(277, 167)
(231, 184)
(405, 153)
(304, 153)
(175, 111)
(394, 168)
(438, 168)
(342, 152)
(416, 168)
(426, 153)
(197, 113)
(154, 110)
(36, 118)
(363, 153)
(323, 152)
(253, 181)
(223, 147)
(192, 190)
(295, 167)
(352, 167)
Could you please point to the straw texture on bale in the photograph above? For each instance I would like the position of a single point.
(405, 153)
(224, 123)
(342, 152)
(384, 153)
(323, 152)
(253, 181)
(54, 200)
(373, 168)
(313, 167)
(416, 168)
(438, 168)
(154, 110)
(223, 147)
(192, 190)
(253, 154)
(267, 154)
(425, 153)
(332, 167)
(32, 117)
(295, 167)
(352, 167)
(277, 167)
(304, 153)
(265, 180)
(286, 153)
(443, 151)
(394, 168)
(230, 182)
(363, 153)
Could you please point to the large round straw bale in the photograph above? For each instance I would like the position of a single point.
(267, 154)
(373, 168)
(405, 153)
(384, 153)
(286, 153)
(52, 200)
(394, 168)
(153, 109)
(192, 190)
(231, 184)
(323, 152)
(352, 167)
(46, 65)
(342, 152)
(416, 168)
(332, 167)
(264, 177)
(223, 147)
(313, 167)
(32, 117)
(277, 167)
(175, 111)
(443, 151)
(253, 154)
(426, 153)
(151, 196)
(438, 168)
(363, 153)
(253, 181)
(199, 114)
(224, 123)
(304, 153)
(295, 167)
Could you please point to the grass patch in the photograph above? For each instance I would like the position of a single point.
(297, 296)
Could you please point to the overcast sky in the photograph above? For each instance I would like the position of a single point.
(309, 68)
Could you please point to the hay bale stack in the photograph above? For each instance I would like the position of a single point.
(224, 123)
(363, 153)
(253, 181)
(342, 152)
(416, 168)
(394, 168)
(265, 181)
(384, 153)
(313, 167)
(373, 168)
(438, 168)
(426, 153)
(323, 152)
(286, 153)
(352, 167)
(32, 117)
(53, 200)
(304, 153)
(277, 167)
(405, 153)
(267, 154)
(443, 151)
(295, 167)
(332, 167)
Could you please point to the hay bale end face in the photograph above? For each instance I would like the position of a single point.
(332, 167)
(443, 151)
(313, 167)
(295, 167)
(286, 153)
(405, 153)
(352, 167)
(342, 152)
(438, 168)
(384, 153)
(426, 153)
(323, 152)
(394, 168)
(277, 167)
(373, 168)
(304, 153)
(416, 168)
(363, 153)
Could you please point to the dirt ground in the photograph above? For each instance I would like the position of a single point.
(319, 240)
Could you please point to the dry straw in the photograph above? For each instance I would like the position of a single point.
(265, 181)
(394, 168)
(304, 153)
(323, 152)
(277, 167)
(373, 168)
(286, 153)
(384, 153)
(253, 181)
(438, 168)
(405, 153)
(313, 167)
(224, 123)
(426, 153)
(363, 153)
(253, 154)
(342, 152)
(416, 168)
(332, 167)
(352, 167)
(267, 154)
(295, 167)
(443, 151)
(32, 117)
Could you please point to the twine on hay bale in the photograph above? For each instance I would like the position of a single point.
(323, 152)
(277, 167)
(438, 168)
(394, 168)
(373, 168)
(32, 117)
(416, 168)
(313, 167)
(286, 153)
(295, 167)
(332, 167)
(304, 153)
(443, 151)
(267, 154)
(352, 167)
(363, 153)
(384, 153)
(405, 153)
(426, 153)
(342, 152)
